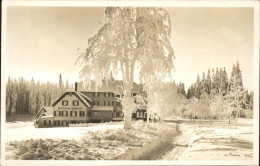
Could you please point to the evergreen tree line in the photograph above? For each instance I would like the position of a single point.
(217, 82)
(181, 88)
(27, 97)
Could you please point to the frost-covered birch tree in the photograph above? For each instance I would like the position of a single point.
(131, 40)
(217, 106)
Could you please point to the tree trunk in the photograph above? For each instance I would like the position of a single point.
(236, 120)
(127, 109)
(218, 119)
(147, 118)
(210, 119)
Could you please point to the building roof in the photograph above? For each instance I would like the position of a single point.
(102, 108)
(45, 111)
(109, 86)
(83, 98)
(142, 107)
(48, 111)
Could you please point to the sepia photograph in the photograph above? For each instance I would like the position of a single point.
(126, 83)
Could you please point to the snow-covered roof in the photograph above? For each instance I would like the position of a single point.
(47, 111)
(83, 98)
(51, 116)
(142, 107)
(108, 87)
(102, 108)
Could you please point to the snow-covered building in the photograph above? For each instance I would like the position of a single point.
(44, 117)
(83, 105)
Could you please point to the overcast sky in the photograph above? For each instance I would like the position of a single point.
(42, 42)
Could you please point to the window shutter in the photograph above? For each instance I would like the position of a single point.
(67, 113)
(83, 113)
(54, 113)
(70, 113)
(75, 113)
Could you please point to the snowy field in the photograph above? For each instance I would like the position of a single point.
(103, 141)
(25, 130)
(205, 142)
(194, 141)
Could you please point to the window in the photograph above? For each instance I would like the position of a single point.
(113, 95)
(138, 114)
(114, 103)
(81, 113)
(65, 113)
(64, 102)
(117, 104)
(44, 123)
(49, 122)
(75, 103)
(95, 94)
(55, 113)
(106, 103)
(106, 94)
(60, 113)
(73, 113)
(56, 122)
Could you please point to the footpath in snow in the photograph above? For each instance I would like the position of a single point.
(205, 142)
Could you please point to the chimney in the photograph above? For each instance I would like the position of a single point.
(76, 86)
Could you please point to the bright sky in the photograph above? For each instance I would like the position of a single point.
(42, 42)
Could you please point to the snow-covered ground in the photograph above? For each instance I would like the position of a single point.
(197, 140)
(103, 141)
(25, 130)
(204, 142)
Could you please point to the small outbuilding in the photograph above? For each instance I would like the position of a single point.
(44, 118)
